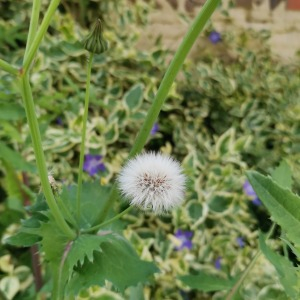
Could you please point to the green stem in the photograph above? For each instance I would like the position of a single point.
(8, 68)
(249, 268)
(39, 35)
(165, 86)
(56, 286)
(84, 122)
(118, 216)
(284, 245)
(34, 21)
(175, 65)
(39, 155)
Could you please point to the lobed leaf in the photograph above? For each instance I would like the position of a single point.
(83, 247)
(117, 262)
(288, 275)
(283, 205)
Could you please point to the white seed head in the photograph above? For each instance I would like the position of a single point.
(153, 181)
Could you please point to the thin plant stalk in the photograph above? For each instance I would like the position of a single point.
(39, 155)
(165, 86)
(39, 35)
(118, 216)
(174, 67)
(34, 22)
(236, 287)
(84, 123)
(8, 68)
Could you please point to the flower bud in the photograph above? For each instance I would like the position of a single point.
(94, 42)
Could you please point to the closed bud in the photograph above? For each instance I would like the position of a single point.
(94, 42)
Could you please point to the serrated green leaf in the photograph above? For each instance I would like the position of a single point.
(54, 242)
(283, 205)
(23, 239)
(133, 98)
(117, 262)
(288, 275)
(83, 247)
(29, 233)
(9, 216)
(207, 282)
(39, 205)
(283, 175)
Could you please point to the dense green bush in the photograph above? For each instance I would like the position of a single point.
(225, 114)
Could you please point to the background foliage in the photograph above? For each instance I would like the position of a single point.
(226, 113)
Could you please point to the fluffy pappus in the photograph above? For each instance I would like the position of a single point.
(153, 181)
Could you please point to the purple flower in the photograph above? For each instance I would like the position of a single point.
(249, 191)
(154, 129)
(240, 242)
(256, 202)
(59, 121)
(214, 37)
(93, 164)
(185, 239)
(218, 263)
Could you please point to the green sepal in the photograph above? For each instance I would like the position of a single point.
(94, 42)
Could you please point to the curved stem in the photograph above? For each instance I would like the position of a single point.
(39, 35)
(165, 86)
(34, 21)
(39, 155)
(8, 68)
(249, 268)
(84, 122)
(118, 216)
(175, 65)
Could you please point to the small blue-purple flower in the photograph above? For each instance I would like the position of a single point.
(185, 238)
(218, 263)
(154, 129)
(214, 37)
(240, 242)
(59, 121)
(93, 164)
(249, 191)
